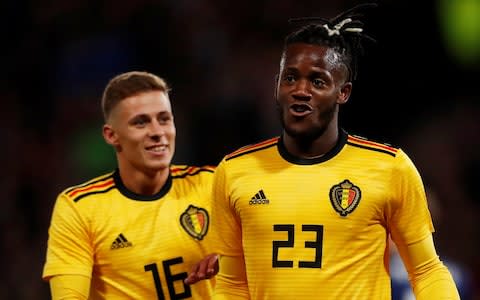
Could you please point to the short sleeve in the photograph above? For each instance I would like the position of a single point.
(224, 217)
(69, 250)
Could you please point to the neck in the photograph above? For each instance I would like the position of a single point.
(144, 183)
(312, 148)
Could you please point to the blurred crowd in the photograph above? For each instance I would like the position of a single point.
(220, 59)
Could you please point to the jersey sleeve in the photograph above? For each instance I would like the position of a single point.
(409, 216)
(224, 216)
(231, 279)
(69, 250)
(63, 287)
(428, 276)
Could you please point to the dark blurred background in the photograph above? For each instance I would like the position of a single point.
(417, 88)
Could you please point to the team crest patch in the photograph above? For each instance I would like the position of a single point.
(345, 197)
(195, 221)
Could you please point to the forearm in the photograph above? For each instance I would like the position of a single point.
(231, 281)
(69, 287)
(429, 277)
(438, 285)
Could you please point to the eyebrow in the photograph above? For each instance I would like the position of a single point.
(139, 117)
(320, 71)
(147, 116)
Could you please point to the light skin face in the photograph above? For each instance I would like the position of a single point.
(142, 131)
(311, 85)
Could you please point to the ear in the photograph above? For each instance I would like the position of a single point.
(344, 93)
(109, 135)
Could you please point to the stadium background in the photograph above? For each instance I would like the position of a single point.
(417, 88)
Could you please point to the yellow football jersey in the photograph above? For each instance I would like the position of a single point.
(134, 246)
(318, 228)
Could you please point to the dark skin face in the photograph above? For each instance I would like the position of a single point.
(311, 86)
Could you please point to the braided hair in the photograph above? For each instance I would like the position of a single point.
(343, 33)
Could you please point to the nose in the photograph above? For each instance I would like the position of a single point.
(302, 90)
(156, 130)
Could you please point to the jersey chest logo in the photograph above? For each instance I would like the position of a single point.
(195, 221)
(345, 197)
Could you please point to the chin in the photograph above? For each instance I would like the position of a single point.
(159, 165)
(305, 133)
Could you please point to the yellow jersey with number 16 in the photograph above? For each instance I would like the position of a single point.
(134, 246)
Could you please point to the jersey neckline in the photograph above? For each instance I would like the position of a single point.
(134, 196)
(342, 140)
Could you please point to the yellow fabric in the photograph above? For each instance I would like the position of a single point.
(429, 277)
(133, 247)
(232, 279)
(69, 287)
(318, 228)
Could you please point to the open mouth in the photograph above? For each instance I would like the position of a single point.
(300, 109)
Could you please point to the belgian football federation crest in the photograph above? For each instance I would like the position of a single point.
(345, 197)
(195, 221)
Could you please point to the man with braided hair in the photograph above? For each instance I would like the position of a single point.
(307, 215)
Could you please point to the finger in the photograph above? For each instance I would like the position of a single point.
(212, 268)
(192, 275)
(202, 269)
(191, 279)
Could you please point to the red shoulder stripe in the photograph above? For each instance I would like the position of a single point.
(88, 188)
(370, 143)
(250, 148)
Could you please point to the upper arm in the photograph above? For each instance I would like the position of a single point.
(69, 287)
(69, 249)
(225, 220)
(409, 218)
(231, 281)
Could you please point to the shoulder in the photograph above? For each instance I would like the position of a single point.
(252, 148)
(182, 171)
(191, 174)
(373, 146)
(384, 155)
(95, 186)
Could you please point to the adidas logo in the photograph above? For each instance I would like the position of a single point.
(259, 198)
(120, 242)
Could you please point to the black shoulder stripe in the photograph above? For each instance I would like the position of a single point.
(191, 174)
(92, 193)
(251, 151)
(370, 148)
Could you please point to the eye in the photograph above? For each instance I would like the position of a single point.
(139, 122)
(318, 83)
(289, 78)
(164, 119)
